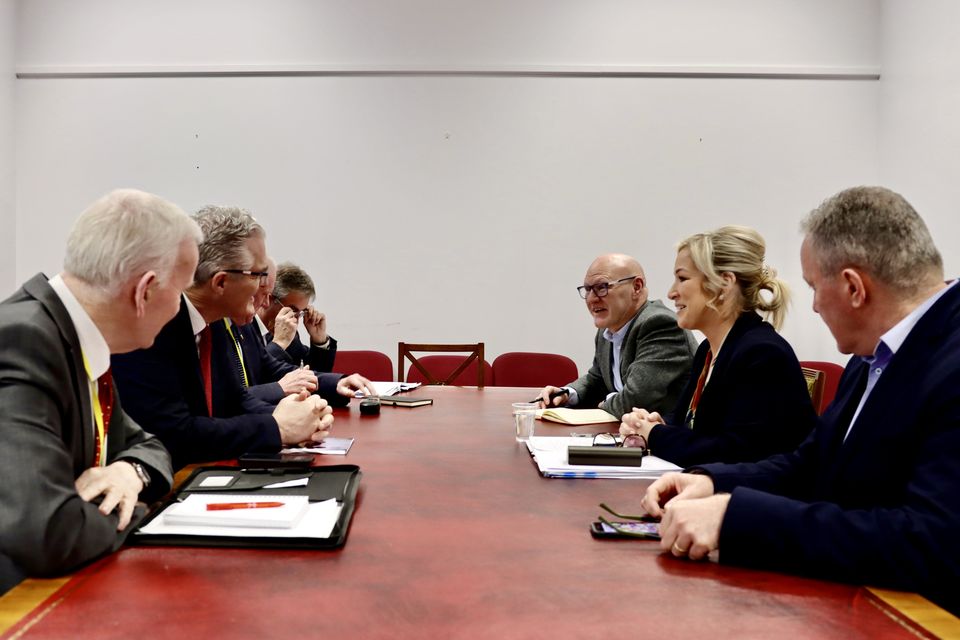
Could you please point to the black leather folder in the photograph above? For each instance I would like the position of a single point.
(608, 456)
(335, 481)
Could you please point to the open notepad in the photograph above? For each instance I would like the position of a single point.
(389, 388)
(566, 415)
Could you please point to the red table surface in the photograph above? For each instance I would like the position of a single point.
(455, 535)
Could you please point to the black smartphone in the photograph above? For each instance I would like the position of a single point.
(276, 460)
(646, 530)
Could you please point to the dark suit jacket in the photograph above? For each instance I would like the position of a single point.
(655, 359)
(756, 403)
(881, 508)
(264, 370)
(320, 360)
(163, 389)
(47, 441)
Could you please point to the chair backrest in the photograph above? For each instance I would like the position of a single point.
(372, 365)
(831, 379)
(815, 379)
(530, 369)
(462, 370)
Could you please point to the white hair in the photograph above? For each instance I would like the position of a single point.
(125, 234)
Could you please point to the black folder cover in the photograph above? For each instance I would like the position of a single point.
(612, 456)
(335, 481)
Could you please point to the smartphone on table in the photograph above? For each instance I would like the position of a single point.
(623, 530)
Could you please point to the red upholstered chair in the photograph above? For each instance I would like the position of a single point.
(530, 369)
(372, 365)
(831, 379)
(461, 370)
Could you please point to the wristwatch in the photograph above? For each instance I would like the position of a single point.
(141, 472)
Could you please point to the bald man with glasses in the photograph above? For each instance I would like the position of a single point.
(642, 357)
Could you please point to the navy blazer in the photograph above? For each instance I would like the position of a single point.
(756, 403)
(880, 508)
(264, 370)
(163, 390)
(320, 360)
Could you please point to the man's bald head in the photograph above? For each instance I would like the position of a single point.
(623, 285)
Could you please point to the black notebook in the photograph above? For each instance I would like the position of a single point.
(405, 401)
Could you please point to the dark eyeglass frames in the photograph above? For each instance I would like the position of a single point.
(298, 312)
(601, 289)
(261, 275)
(634, 440)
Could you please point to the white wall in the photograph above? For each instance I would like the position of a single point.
(454, 206)
(920, 114)
(8, 276)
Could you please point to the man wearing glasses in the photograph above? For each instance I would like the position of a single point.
(271, 378)
(642, 357)
(290, 300)
(183, 389)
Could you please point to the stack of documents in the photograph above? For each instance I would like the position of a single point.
(550, 455)
(328, 446)
(190, 517)
(232, 510)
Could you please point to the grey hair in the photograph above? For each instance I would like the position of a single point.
(875, 229)
(226, 231)
(740, 251)
(290, 278)
(124, 234)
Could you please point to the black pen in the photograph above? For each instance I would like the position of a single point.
(555, 394)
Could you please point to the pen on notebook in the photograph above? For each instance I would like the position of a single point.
(555, 394)
(227, 506)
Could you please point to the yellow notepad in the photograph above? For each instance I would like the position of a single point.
(576, 416)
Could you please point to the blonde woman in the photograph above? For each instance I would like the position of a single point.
(746, 398)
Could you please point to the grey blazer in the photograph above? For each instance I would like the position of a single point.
(47, 441)
(655, 360)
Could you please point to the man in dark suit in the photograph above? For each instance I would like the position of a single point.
(182, 389)
(873, 495)
(642, 357)
(72, 463)
(291, 299)
(270, 378)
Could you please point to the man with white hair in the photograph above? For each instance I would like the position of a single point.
(72, 464)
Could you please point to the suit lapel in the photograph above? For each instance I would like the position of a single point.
(606, 360)
(906, 370)
(719, 378)
(40, 289)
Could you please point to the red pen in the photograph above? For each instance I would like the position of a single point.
(225, 506)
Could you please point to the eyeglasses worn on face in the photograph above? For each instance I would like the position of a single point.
(296, 311)
(601, 288)
(262, 275)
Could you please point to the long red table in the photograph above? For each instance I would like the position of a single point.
(455, 535)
